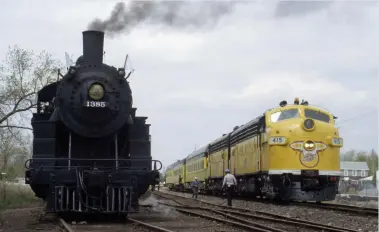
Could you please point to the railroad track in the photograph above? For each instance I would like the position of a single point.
(248, 217)
(339, 207)
(336, 207)
(137, 226)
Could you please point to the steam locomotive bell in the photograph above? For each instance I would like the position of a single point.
(93, 99)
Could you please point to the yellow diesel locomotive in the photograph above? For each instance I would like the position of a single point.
(290, 152)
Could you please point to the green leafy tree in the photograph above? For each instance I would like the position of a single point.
(348, 156)
(14, 150)
(373, 165)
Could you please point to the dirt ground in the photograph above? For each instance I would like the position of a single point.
(26, 219)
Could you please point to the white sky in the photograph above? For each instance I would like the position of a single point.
(196, 85)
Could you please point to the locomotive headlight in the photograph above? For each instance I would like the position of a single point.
(309, 145)
(96, 92)
(309, 124)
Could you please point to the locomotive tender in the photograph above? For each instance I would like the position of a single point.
(290, 152)
(91, 153)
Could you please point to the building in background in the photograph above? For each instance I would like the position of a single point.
(354, 170)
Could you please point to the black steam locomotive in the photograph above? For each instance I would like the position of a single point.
(91, 154)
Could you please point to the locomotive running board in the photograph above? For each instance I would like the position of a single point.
(116, 200)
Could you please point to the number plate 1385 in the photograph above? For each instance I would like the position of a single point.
(96, 104)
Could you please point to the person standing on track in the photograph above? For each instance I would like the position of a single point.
(229, 182)
(195, 188)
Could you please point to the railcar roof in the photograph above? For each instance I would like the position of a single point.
(219, 139)
(198, 152)
(175, 165)
(252, 122)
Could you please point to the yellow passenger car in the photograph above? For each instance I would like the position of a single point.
(196, 166)
(175, 175)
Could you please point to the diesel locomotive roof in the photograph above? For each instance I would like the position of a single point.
(224, 137)
(252, 122)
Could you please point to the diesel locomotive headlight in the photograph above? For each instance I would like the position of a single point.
(309, 145)
(96, 92)
(309, 124)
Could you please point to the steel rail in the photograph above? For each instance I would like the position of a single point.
(261, 228)
(340, 207)
(268, 216)
(149, 226)
(66, 227)
(335, 207)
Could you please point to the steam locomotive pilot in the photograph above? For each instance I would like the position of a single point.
(229, 182)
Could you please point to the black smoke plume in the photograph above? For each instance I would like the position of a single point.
(175, 14)
(299, 8)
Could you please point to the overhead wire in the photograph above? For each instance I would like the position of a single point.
(356, 117)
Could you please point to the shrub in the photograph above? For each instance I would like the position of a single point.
(16, 195)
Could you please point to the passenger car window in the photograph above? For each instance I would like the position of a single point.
(316, 115)
(285, 114)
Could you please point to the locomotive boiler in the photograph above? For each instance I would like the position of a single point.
(91, 153)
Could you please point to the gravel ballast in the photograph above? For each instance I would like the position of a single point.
(362, 223)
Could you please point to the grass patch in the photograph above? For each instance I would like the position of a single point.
(15, 196)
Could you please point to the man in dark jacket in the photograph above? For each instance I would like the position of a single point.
(195, 188)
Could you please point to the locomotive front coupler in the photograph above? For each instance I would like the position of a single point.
(95, 178)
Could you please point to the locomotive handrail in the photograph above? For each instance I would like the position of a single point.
(27, 162)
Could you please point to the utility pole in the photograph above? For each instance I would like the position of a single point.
(373, 160)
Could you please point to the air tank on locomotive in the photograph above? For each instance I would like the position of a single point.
(87, 139)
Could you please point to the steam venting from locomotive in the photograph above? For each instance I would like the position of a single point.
(175, 14)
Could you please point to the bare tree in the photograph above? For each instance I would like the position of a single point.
(22, 75)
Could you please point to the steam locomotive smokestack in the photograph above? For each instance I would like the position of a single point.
(93, 47)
